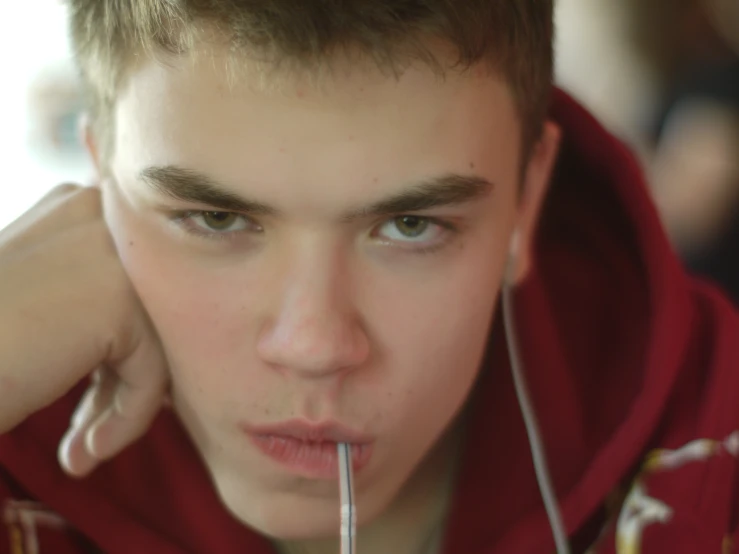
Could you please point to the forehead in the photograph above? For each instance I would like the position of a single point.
(356, 124)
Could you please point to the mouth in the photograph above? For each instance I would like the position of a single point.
(309, 450)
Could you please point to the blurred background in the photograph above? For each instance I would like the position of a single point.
(662, 74)
(39, 105)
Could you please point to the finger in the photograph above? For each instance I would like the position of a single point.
(138, 397)
(74, 455)
(72, 443)
(86, 407)
(56, 194)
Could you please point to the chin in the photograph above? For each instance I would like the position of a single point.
(287, 515)
(280, 515)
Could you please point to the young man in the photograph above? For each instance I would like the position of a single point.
(314, 210)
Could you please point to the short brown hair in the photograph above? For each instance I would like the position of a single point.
(514, 36)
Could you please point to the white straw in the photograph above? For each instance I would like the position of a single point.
(346, 495)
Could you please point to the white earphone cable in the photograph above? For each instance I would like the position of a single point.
(527, 410)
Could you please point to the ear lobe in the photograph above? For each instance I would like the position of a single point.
(518, 263)
(534, 190)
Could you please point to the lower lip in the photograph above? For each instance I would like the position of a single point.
(316, 460)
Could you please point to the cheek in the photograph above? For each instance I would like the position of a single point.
(200, 310)
(435, 336)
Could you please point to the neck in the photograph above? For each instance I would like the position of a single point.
(415, 519)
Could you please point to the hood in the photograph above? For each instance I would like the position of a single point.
(603, 322)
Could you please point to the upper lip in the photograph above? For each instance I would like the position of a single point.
(309, 431)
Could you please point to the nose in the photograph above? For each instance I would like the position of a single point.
(314, 331)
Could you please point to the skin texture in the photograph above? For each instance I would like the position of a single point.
(306, 313)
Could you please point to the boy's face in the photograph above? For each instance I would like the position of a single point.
(341, 280)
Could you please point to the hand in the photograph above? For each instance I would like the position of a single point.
(69, 311)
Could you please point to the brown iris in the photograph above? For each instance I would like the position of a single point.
(219, 221)
(411, 226)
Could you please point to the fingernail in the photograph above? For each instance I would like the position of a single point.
(84, 463)
(92, 437)
(63, 453)
(83, 412)
(96, 377)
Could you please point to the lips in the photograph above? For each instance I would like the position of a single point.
(310, 432)
(309, 449)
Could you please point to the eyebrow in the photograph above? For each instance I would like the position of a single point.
(446, 190)
(188, 185)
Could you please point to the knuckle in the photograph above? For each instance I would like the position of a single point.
(72, 204)
(87, 200)
(64, 189)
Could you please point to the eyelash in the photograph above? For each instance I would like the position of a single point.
(447, 228)
(183, 220)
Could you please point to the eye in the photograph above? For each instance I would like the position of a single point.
(220, 221)
(411, 229)
(215, 224)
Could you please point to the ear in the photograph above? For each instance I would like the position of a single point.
(536, 179)
(88, 139)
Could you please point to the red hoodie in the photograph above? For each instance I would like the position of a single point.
(632, 366)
